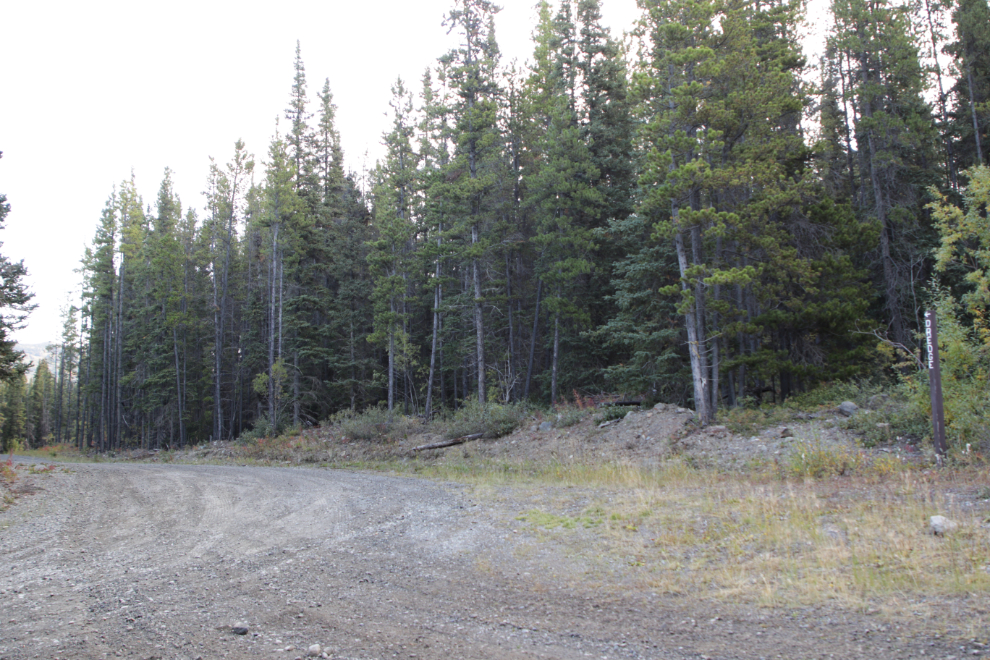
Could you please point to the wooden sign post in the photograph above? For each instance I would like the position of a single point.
(935, 385)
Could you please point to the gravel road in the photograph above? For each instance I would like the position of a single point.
(163, 561)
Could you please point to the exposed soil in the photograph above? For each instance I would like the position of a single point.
(165, 561)
(649, 437)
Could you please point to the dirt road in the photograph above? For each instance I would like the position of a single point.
(162, 561)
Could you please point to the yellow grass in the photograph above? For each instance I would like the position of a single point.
(857, 541)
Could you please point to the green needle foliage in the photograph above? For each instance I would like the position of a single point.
(689, 215)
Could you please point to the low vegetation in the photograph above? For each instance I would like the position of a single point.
(822, 522)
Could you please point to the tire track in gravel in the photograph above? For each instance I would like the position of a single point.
(159, 561)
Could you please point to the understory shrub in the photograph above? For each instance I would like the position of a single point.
(375, 423)
(492, 420)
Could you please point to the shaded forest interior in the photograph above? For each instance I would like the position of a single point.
(692, 215)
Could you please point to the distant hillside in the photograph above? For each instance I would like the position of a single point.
(34, 352)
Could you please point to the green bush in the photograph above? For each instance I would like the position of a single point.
(896, 418)
(375, 423)
(262, 428)
(829, 395)
(570, 417)
(492, 421)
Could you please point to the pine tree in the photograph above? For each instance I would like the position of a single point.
(561, 186)
(225, 197)
(15, 305)
(391, 252)
(971, 53)
(13, 414)
(893, 129)
(38, 408)
(472, 68)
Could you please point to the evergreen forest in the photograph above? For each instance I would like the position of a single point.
(694, 213)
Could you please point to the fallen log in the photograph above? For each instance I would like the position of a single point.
(448, 443)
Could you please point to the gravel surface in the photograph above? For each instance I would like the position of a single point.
(167, 561)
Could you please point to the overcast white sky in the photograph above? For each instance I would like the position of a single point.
(91, 91)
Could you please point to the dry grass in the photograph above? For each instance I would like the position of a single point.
(7, 478)
(859, 542)
(821, 524)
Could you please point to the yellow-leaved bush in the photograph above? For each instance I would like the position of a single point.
(964, 334)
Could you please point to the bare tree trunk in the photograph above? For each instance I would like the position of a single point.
(717, 292)
(272, 268)
(178, 388)
(436, 334)
(972, 110)
(353, 372)
(391, 359)
(58, 397)
(512, 340)
(532, 339)
(118, 404)
(694, 341)
(556, 357)
(740, 341)
(79, 388)
(479, 323)
(296, 404)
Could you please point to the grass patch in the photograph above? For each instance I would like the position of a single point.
(570, 417)
(546, 520)
(60, 452)
(794, 535)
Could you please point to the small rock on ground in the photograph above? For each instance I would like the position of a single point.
(848, 408)
(940, 525)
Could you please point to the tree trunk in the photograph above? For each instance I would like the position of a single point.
(532, 339)
(391, 360)
(889, 270)
(479, 324)
(512, 341)
(58, 398)
(972, 110)
(698, 376)
(118, 403)
(272, 268)
(556, 357)
(436, 333)
(178, 388)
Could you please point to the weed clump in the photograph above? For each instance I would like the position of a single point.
(491, 421)
(375, 423)
(570, 417)
(816, 460)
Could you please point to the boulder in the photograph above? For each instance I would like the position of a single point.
(546, 426)
(848, 408)
(940, 525)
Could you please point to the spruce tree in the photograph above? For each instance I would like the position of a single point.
(971, 54)
(15, 305)
(472, 69)
(391, 251)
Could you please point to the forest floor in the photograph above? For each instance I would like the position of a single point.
(643, 538)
